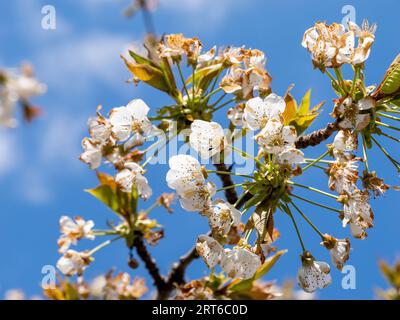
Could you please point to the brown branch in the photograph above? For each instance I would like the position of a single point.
(316, 137)
(151, 267)
(226, 179)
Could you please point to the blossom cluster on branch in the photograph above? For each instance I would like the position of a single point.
(238, 249)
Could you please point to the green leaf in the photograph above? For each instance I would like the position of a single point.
(203, 76)
(254, 200)
(106, 195)
(244, 285)
(391, 80)
(301, 117)
(142, 60)
(149, 74)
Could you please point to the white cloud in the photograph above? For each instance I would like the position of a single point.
(34, 187)
(74, 64)
(208, 13)
(8, 152)
(60, 141)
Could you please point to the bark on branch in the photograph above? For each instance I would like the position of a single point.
(316, 137)
(151, 266)
(226, 179)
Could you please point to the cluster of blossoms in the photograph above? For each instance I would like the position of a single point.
(114, 138)
(239, 244)
(110, 287)
(332, 45)
(18, 86)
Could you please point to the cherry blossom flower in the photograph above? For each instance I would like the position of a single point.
(338, 248)
(366, 38)
(275, 137)
(92, 154)
(235, 115)
(73, 262)
(185, 176)
(313, 274)
(210, 250)
(131, 119)
(240, 263)
(100, 129)
(73, 230)
(207, 138)
(349, 113)
(24, 87)
(332, 45)
(172, 46)
(290, 156)
(222, 215)
(358, 213)
(258, 111)
(345, 141)
(132, 175)
(343, 175)
(123, 286)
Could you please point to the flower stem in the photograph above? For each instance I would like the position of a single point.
(391, 159)
(353, 85)
(335, 81)
(364, 147)
(224, 104)
(316, 160)
(205, 98)
(246, 155)
(230, 173)
(308, 220)
(316, 203)
(103, 245)
(386, 125)
(388, 116)
(289, 213)
(313, 189)
(230, 187)
(182, 79)
(389, 136)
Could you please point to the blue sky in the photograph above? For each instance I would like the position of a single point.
(41, 177)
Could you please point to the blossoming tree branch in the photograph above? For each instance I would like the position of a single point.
(238, 250)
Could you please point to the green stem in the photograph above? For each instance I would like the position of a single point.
(216, 79)
(230, 173)
(386, 125)
(169, 138)
(224, 104)
(353, 85)
(218, 101)
(388, 116)
(307, 219)
(193, 82)
(316, 160)
(364, 147)
(389, 136)
(246, 155)
(392, 160)
(230, 187)
(313, 189)
(335, 81)
(102, 245)
(322, 161)
(205, 98)
(289, 213)
(152, 207)
(339, 76)
(316, 203)
(182, 79)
